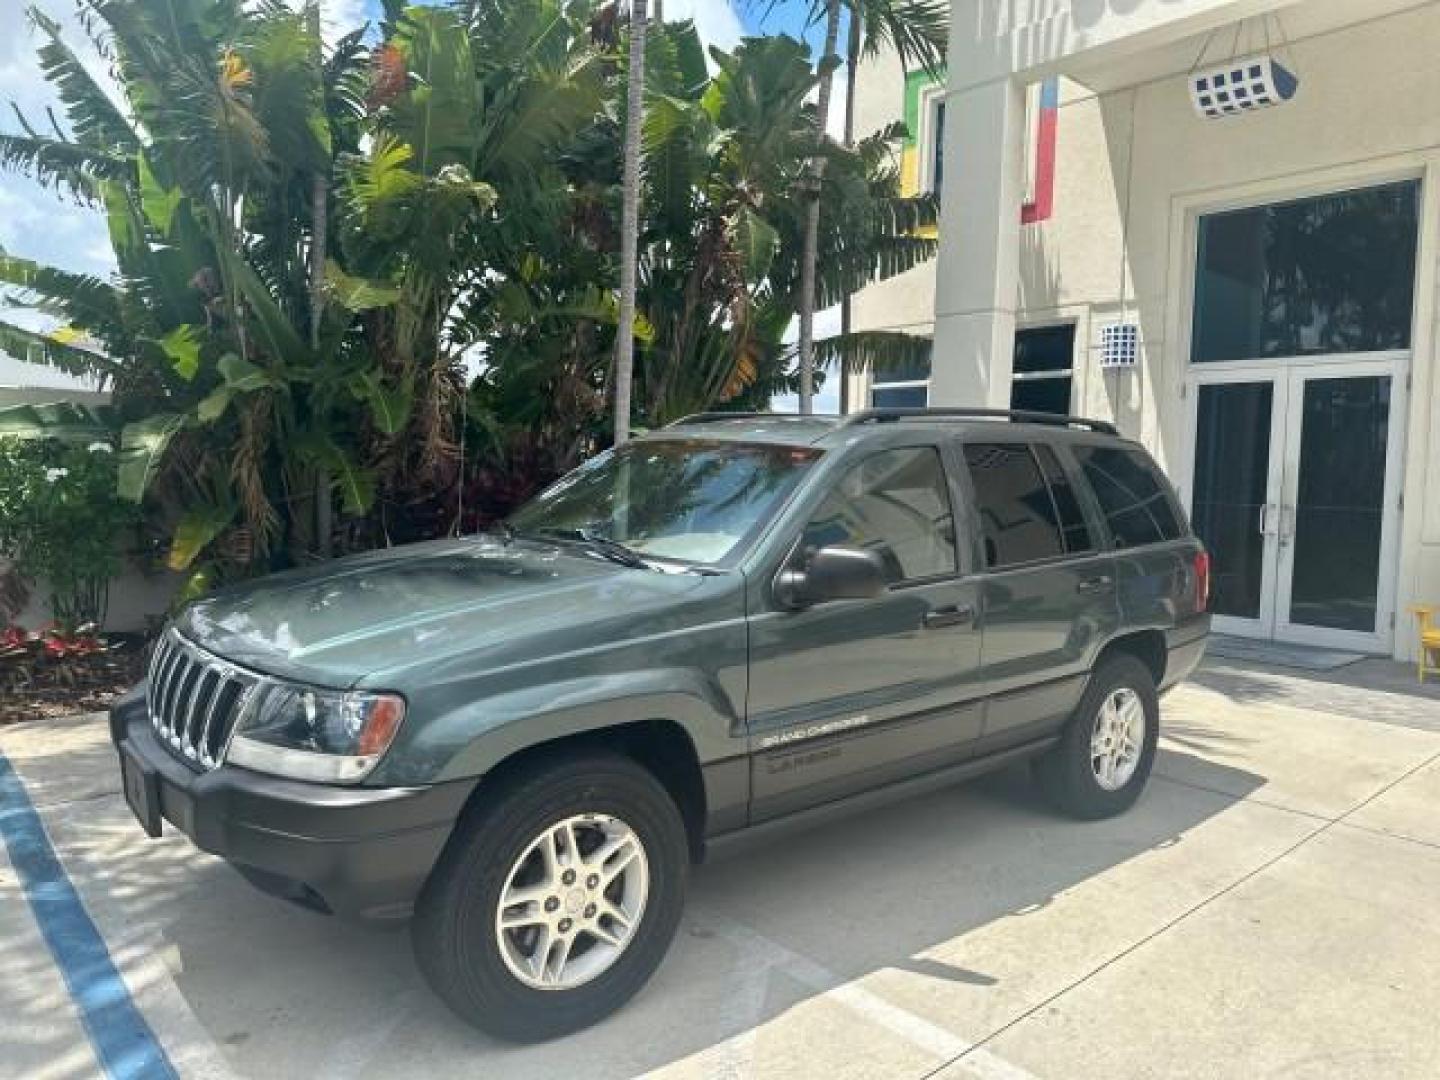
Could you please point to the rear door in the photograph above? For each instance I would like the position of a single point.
(852, 694)
(1048, 592)
(1155, 551)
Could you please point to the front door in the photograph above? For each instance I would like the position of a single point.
(1296, 493)
(1301, 339)
(852, 694)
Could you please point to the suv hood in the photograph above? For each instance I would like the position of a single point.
(358, 618)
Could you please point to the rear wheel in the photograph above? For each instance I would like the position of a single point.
(1107, 751)
(556, 899)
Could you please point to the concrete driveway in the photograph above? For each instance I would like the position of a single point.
(1271, 907)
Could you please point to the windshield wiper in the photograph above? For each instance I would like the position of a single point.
(613, 550)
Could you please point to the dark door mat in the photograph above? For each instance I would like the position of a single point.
(1305, 657)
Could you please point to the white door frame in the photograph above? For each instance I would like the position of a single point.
(1287, 376)
(1395, 367)
(1263, 625)
(1410, 408)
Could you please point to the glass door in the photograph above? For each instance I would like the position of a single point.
(1238, 423)
(1295, 491)
(1338, 512)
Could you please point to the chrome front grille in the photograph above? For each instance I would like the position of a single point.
(194, 699)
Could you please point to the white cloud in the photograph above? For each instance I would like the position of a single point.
(715, 20)
(36, 223)
(340, 17)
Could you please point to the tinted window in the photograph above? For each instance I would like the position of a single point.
(1133, 496)
(1042, 395)
(904, 387)
(900, 397)
(1069, 516)
(1325, 275)
(1043, 356)
(1017, 515)
(895, 504)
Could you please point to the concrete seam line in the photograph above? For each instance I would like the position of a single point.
(124, 1045)
(1249, 875)
(865, 1003)
(1370, 830)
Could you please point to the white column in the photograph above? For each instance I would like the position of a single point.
(977, 279)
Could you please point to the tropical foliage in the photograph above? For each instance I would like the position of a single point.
(59, 521)
(368, 290)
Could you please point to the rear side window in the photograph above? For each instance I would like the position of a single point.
(1133, 496)
(895, 504)
(1017, 514)
(1068, 515)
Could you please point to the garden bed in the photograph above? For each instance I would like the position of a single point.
(38, 686)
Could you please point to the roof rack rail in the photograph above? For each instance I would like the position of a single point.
(1017, 416)
(716, 417)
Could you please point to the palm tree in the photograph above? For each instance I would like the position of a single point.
(918, 31)
(629, 220)
(719, 259)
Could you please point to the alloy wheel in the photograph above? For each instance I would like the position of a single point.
(1118, 739)
(572, 902)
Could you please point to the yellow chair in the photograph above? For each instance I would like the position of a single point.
(1429, 639)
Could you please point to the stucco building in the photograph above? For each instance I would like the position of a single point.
(1253, 295)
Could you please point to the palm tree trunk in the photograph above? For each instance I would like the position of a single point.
(319, 208)
(811, 252)
(319, 212)
(630, 222)
(852, 62)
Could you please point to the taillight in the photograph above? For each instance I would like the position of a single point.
(1202, 580)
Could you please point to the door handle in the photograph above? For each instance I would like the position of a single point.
(951, 615)
(1286, 531)
(1093, 586)
(1265, 510)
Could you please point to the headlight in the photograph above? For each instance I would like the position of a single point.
(313, 734)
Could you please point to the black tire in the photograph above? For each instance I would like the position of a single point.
(453, 930)
(1065, 772)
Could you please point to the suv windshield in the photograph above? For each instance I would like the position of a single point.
(691, 500)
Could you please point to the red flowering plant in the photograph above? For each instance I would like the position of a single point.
(47, 657)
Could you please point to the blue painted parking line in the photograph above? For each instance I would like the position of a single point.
(124, 1044)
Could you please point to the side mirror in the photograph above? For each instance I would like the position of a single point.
(837, 572)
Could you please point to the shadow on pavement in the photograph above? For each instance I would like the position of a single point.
(1369, 690)
(284, 992)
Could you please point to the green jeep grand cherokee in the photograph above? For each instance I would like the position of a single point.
(735, 623)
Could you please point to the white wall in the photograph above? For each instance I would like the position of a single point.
(137, 599)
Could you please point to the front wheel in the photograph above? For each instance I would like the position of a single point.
(556, 899)
(1104, 758)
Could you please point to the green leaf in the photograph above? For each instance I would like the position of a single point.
(357, 485)
(438, 114)
(241, 376)
(127, 234)
(755, 240)
(356, 293)
(182, 347)
(214, 405)
(142, 447)
(390, 406)
(53, 350)
(159, 203)
(60, 165)
(874, 350)
(195, 531)
(65, 421)
(281, 337)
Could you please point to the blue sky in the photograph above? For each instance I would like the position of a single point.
(36, 224)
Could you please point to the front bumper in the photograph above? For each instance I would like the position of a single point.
(352, 851)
